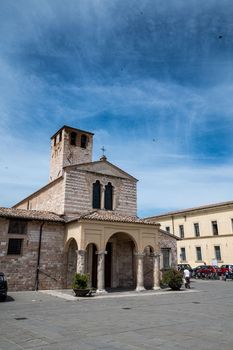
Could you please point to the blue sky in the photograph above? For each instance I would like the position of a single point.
(152, 79)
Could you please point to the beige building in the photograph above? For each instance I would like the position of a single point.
(84, 220)
(206, 233)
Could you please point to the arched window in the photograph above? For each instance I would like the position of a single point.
(108, 196)
(96, 202)
(84, 140)
(73, 138)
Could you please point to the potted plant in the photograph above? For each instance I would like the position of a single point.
(173, 278)
(80, 285)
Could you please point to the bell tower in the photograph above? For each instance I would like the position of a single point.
(69, 146)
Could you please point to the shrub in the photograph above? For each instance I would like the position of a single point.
(80, 281)
(173, 278)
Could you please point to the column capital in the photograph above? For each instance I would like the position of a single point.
(155, 255)
(101, 252)
(139, 254)
(81, 252)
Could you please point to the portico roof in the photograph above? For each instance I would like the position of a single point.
(107, 215)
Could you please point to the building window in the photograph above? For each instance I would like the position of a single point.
(108, 196)
(18, 227)
(217, 252)
(196, 230)
(96, 199)
(215, 228)
(73, 138)
(54, 141)
(198, 254)
(83, 141)
(181, 228)
(166, 252)
(14, 246)
(167, 228)
(182, 254)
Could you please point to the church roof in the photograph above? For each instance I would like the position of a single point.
(102, 167)
(71, 129)
(12, 213)
(105, 215)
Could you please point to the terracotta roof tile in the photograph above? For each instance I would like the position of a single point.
(30, 214)
(103, 215)
(183, 211)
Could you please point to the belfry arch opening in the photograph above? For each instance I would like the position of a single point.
(120, 263)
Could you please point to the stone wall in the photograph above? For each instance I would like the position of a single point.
(125, 261)
(21, 269)
(64, 154)
(168, 241)
(78, 192)
(50, 198)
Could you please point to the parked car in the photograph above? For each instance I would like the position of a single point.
(227, 271)
(197, 270)
(206, 271)
(3, 287)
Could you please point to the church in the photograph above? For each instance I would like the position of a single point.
(84, 220)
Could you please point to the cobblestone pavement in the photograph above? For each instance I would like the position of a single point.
(199, 319)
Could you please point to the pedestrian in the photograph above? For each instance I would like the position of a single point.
(187, 278)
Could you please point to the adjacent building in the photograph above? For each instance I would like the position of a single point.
(84, 220)
(206, 233)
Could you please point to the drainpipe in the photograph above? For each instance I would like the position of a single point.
(38, 258)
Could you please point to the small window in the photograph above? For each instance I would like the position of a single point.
(60, 136)
(96, 199)
(217, 252)
(73, 138)
(198, 254)
(83, 141)
(215, 228)
(108, 196)
(166, 252)
(18, 227)
(14, 246)
(167, 228)
(181, 228)
(54, 141)
(182, 254)
(196, 230)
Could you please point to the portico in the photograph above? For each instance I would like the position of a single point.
(116, 251)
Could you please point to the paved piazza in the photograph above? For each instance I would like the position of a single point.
(199, 319)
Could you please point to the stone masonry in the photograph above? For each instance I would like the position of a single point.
(21, 270)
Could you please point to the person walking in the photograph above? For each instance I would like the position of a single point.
(187, 278)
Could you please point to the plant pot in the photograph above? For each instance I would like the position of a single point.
(82, 292)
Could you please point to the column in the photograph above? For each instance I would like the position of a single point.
(140, 275)
(156, 273)
(100, 271)
(81, 261)
(102, 193)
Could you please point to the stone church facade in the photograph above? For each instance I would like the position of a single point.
(84, 220)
